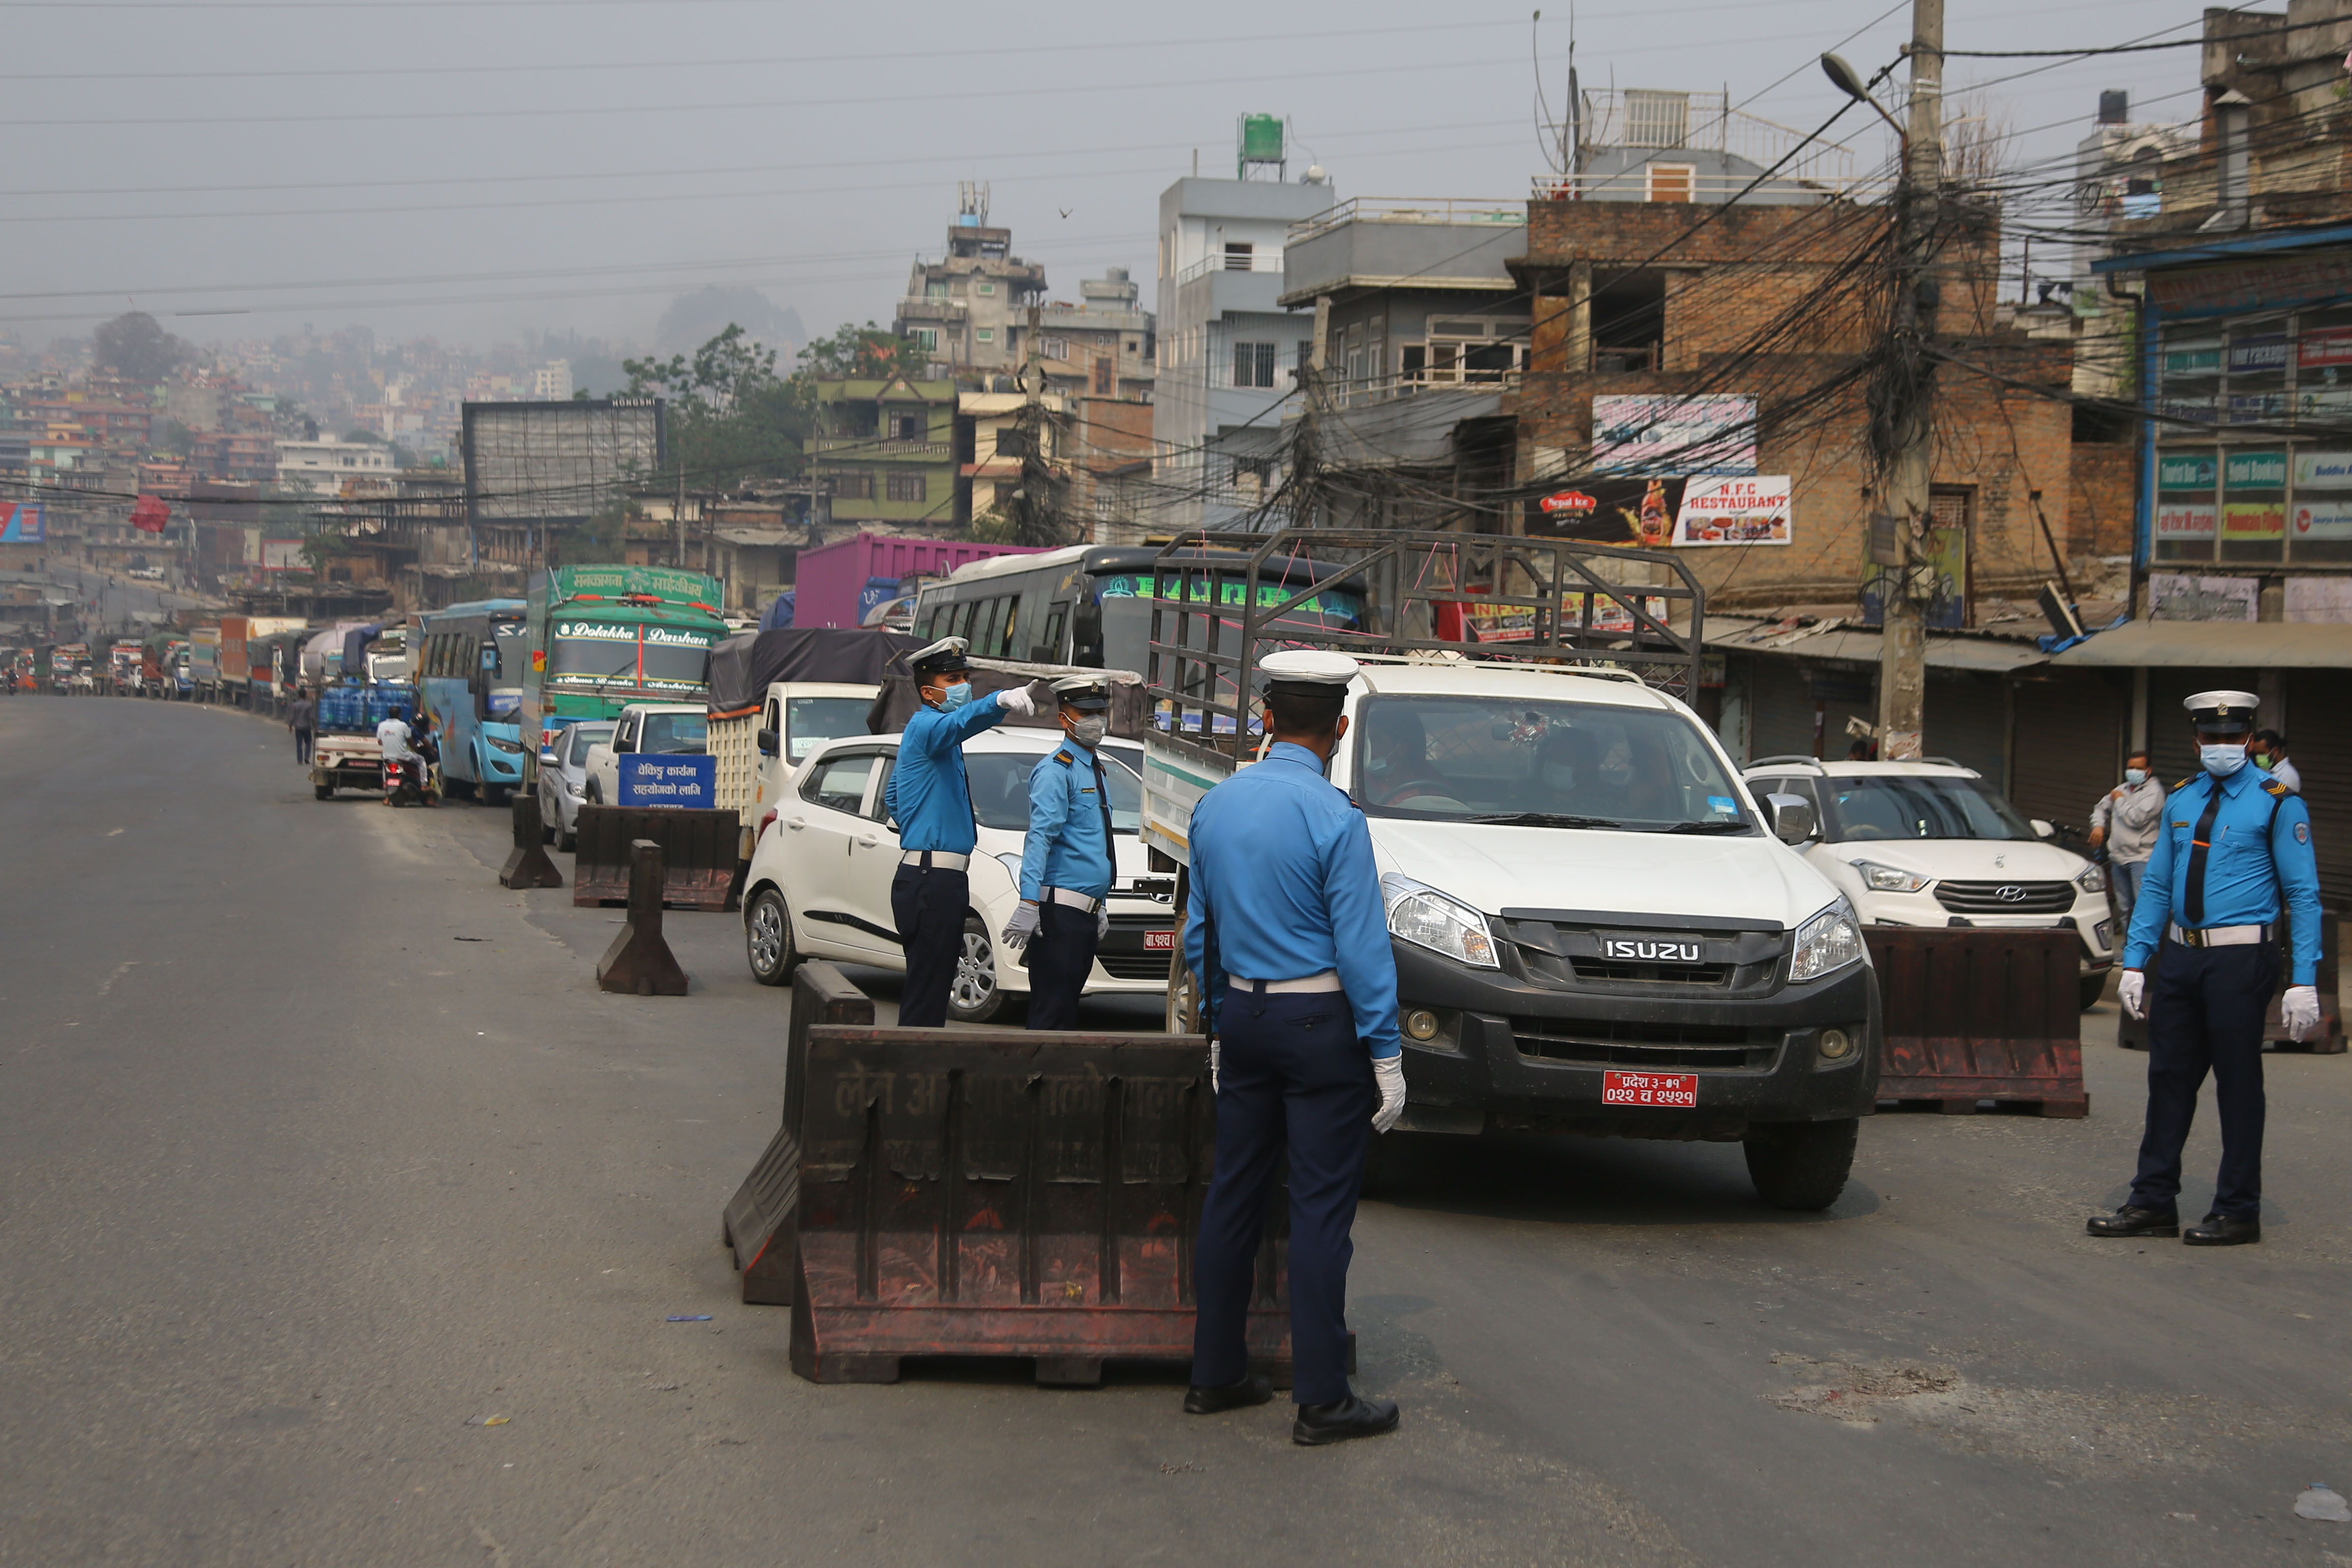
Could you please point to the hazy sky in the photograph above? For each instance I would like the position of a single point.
(472, 168)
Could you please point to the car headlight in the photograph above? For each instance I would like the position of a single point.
(1826, 943)
(1889, 879)
(2093, 880)
(1425, 918)
(503, 744)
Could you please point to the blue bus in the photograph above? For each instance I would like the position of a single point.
(469, 672)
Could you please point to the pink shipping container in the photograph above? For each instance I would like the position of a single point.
(837, 582)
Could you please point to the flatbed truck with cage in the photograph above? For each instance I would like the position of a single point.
(1598, 929)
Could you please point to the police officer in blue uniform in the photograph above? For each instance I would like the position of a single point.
(1067, 868)
(1285, 928)
(930, 798)
(2230, 842)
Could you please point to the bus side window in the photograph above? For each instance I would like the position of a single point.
(1049, 652)
(1004, 639)
(986, 624)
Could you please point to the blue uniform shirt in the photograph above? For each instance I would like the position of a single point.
(928, 792)
(1066, 847)
(2260, 846)
(1282, 863)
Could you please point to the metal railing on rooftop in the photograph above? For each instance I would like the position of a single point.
(1249, 261)
(1637, 184)
(1408, 210)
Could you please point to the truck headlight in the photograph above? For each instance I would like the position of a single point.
(1425, 918)
(2093, 880)
(1889, 879)
(1826, 943)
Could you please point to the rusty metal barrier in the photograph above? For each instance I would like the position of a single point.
(1980, 1013)
(527, 863)
(639, 960)
(1006, 1194)
(697, 855)
(761, 1221)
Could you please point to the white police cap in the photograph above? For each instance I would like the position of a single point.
(2222, 710)
(1308, 672)
(947, 654)
(1087, 693)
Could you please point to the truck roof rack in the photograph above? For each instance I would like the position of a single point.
(1789, 761)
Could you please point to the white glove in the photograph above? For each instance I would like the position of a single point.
(2128, 991)
(1102, 921)
(1212, 1064)
(1016, 699)
(1388, 1071)
(1021, 927)
(2299, 1011)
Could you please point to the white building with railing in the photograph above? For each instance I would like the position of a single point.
(1643, 144)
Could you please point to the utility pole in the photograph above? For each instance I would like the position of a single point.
(1306, 448)
(1903, 651)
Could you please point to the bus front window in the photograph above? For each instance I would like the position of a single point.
(676, 660)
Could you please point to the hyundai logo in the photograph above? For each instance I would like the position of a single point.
(2010, 892)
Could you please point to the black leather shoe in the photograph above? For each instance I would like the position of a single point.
(1255, 1389)
(2223, 1230)
(2133, 1221)
(1342, 1419)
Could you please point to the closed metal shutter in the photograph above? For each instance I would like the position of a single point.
(2070, 741)
(2319, 742)
(1780, 722)
(1968, 721)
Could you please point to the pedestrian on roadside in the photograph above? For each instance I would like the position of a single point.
(2125, 822)
(302, 718)
(2267, 751)
(1066, 867)
(930, 797)
(2232, 845)
(1286, 931)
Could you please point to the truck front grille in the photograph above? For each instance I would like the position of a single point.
(1624, 1042)
(1668, 974)
(2006, 897)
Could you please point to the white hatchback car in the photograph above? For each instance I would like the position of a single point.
(1934, 844)
(819, 884)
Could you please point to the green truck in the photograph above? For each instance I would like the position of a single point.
(601, 637)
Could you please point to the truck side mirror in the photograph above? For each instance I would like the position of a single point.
(769, 744)
(2042, 828)
(1793, 818)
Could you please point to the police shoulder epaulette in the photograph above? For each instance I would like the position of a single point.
(1064, 758)
(2185, 783)
(2274, 786)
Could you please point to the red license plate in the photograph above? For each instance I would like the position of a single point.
(1159, 941)
(1677, 1090)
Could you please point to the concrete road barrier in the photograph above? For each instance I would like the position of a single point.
(639, 960)
(1980, 1013)
(527, 863)
(697, 854)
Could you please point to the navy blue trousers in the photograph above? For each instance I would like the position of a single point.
(929, 906)
(2205, 1012)
(1061, 955)
(1291, 1076)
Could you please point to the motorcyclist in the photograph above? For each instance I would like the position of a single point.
(426, 743)
(392, 740)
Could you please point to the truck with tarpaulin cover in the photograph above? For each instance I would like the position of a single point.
(599, 638)
(1597, 928)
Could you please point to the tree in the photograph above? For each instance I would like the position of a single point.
(732, 416)
(136, 347)
(866, 350)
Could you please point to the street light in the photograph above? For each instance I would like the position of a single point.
(1847, 80)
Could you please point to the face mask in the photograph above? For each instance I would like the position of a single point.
(1087, 731)
(955, 696)
(2261, 760)
(2135, 775)
(2222, 761)
(1558, 776)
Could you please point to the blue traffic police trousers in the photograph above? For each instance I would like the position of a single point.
(1291, 1075)
(2206, 1007)
(1061, 955)
(929, 904)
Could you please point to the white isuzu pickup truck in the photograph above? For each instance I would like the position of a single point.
(1597, 928)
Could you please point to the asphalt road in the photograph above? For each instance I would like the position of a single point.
(317, 1149)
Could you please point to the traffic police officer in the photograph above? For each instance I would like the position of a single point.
(1285, 928)
(931, 800)
(1066, 867)
(2229, 841)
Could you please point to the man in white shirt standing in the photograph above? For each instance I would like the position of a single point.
(2125, 820)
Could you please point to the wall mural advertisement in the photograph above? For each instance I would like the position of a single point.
(1672, 437)
(22, 523)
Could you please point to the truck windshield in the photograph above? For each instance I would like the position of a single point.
(1919, 806)
(1540, 764)
(809, 722)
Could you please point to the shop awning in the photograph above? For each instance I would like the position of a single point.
(1995, 655)
(2226, 645)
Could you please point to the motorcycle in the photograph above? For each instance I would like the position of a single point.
(402, 782)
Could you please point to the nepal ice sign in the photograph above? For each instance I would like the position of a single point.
(667, 779)
(1674, 436)
(1734, 512)
(21, 523)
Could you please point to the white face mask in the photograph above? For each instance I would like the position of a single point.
(2135, 775)
(2222, 761)
(1088, 732)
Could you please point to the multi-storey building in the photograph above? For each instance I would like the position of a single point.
(888, 450)
(966, 310)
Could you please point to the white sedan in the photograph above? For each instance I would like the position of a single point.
(819, 885)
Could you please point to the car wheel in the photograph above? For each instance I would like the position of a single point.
(1800, 1165)
(2093, 987)
(567, 835)
(596, 796)
(768, 939)
(973, 996)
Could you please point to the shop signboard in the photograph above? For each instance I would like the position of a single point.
(2186, 521)
(1751, 511)
(2254, 471)
(2246, 520)
(2330, 519)
(1665, 436)
(2184, 471)
(2323, 470)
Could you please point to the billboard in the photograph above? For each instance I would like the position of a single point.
(557, 462)
(1666, 436)
(1734, 512)
(22, 523)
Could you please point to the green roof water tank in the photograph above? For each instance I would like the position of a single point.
(1262, 139)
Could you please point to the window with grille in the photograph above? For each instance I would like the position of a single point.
(853, 486)
(1254, 364)
(907, 427)
(904, 487)
(1656, 119)
(1103, 379)
(1053, 347)
(1239, 254)
(927, 338)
